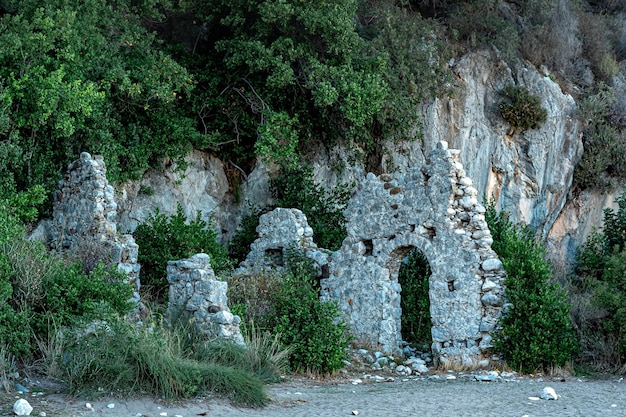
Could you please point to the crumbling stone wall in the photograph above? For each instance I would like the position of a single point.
(197, 295)
(279, 231)
(432, 208)
(84, 219)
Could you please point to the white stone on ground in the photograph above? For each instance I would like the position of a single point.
(21, 407)
(549, 394)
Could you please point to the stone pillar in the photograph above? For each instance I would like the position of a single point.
(195, 293)
(84, 220)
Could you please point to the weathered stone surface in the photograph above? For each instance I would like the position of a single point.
(195, 292)
(529, 174)
(387, 217)
(383, 226)
(279, 231)
(84, 220)
(202, 187)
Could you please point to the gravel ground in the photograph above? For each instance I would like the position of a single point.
(430, 396)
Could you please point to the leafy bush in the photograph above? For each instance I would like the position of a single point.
(268, 71)
(536, 331)
(417, 59)
(413, 277)
(296, 188)
(164, 238)
(38, 290)
(521, 109)
(70, 293)
(108, 90)
(310, 328)
(251, 297)
(601, 269)
(603, 164)
(610, 295)
(245, 235)
(480, 24)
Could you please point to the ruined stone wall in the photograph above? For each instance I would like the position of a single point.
(432, 208)
(279, 231)
(84, 219)
(197, 295)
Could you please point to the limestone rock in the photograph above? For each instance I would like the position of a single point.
(548, 393)
(21, 407)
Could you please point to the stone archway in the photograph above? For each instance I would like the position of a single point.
(433, 208)
(414, 279)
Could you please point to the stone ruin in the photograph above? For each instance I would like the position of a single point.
(84, 224)
(432, 208)
(84, 220)
(196, 295)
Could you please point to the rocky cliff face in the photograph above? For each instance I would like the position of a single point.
(528, 174)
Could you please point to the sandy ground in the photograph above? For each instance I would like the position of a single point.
(434, 396)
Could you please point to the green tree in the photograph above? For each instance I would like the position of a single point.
(85, 76)
(536, 331)
(164, 238)
(269, 70)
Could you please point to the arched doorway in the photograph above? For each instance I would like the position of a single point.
(415, 322)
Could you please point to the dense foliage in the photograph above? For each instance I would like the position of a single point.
(85, 76)
(602, 269)
(296, 188)
(40, 294)
(536, 330)
(413, 277)
(312, 329)
(164, 238)
(286, 302)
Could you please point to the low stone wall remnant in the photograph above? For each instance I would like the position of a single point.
(196, 295)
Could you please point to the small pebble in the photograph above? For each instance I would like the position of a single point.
(88, 405)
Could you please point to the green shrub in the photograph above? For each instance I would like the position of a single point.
(413, 277)
(417, 57)
(239, 246)
(318, 340)
(70, 293)
(110, 90)
(164, 238)
(296, 188)
(601, 270)
(38, 290)
(251, 297)
(521, 109)
(481, 25)
(603, 164)
(610, 295)
(536, 331)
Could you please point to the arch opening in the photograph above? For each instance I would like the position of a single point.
(414, 279)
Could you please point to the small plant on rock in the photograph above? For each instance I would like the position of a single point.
(521, 109)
